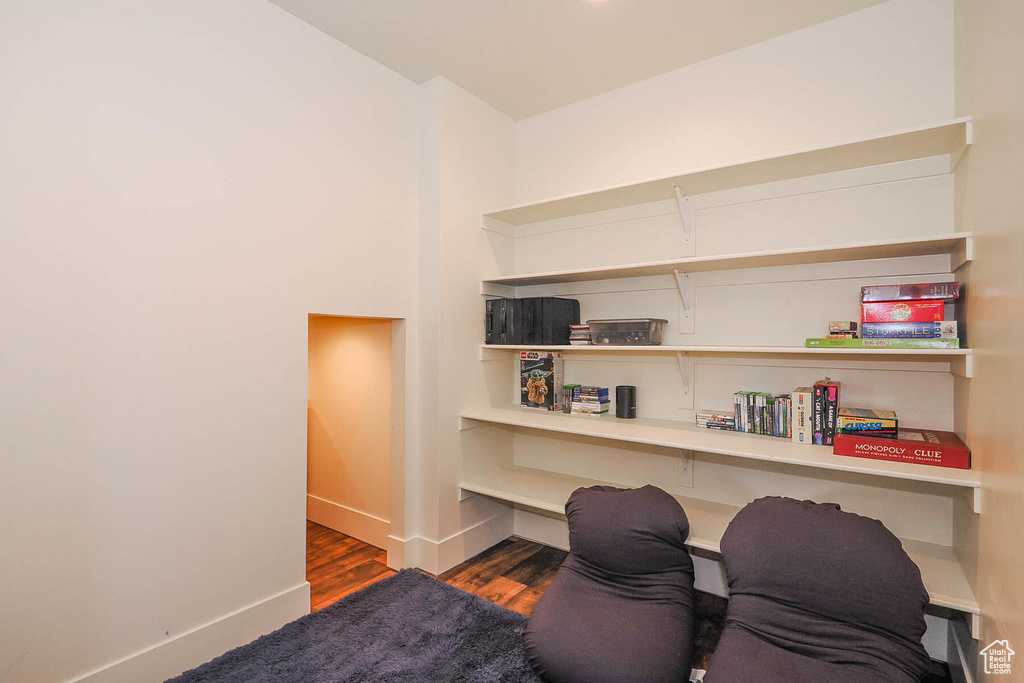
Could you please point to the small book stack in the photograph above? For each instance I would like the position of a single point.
(713, 419)
(590, 400)
(907, 316)
(579, 335)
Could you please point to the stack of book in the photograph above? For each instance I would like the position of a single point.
(842, 329)
(758, 412)
(713, 419)
(590, 400)
(907, 316)
(815, 413)
(579, 335)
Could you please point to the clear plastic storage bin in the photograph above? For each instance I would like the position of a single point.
(627, 331)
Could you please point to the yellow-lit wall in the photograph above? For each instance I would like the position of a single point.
(349, 437)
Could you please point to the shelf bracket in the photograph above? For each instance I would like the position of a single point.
(976, 500)
(683, 203)
(684, 283)
(685, 479)
(686, 380)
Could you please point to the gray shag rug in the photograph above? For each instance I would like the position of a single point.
(403, 629)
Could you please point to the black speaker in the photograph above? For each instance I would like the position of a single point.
(625, 401)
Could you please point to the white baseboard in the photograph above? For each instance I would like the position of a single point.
(437, 557)
(351, 522)
(200, 645)
(467, 543)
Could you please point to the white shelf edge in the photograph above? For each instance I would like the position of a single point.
(958, 129)
(749, 350)
(938, 564)
(741, 445)
(958, 242)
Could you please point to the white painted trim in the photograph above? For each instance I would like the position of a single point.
(192, 648)
(472, 541)
(362, 525)
(437, 557)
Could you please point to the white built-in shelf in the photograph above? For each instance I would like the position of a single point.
(945, 138)
(961, 361)
(688, 436)
(958, 245)
(739, 350)
(941, 571)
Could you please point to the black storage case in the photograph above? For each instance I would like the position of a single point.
(534, 320)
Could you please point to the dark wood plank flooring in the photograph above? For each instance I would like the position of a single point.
(513, 574)
(337, 565)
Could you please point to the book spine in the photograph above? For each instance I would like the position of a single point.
(818, 415)
(817, 342)
(831, 409)
(802, 421)
(748, 397)
(941, 329)
(902, 311)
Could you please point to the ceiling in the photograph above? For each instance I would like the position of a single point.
(525, 57)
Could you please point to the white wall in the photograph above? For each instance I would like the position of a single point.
(183, 182)
(349, 429)
(467, 153)
(989, 58)
(878, 70)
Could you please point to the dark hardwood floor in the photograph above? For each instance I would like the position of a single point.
(337, 565)
(513, 574)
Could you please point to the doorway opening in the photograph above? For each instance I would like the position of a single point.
(349, 442)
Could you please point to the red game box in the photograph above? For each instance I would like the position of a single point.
(918, 446)
(902, 311)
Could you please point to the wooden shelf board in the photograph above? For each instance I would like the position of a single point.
(941, 572)
(855, 251)
(741, 350)
(688, 436)
(549, 491)
(943, 138)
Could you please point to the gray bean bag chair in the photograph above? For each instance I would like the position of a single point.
(620, 609)
(818, 595)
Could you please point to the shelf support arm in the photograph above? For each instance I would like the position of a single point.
(684, 283)
(686, 379)
(683, 203)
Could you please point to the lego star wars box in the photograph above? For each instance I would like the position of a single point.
(540, 372)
